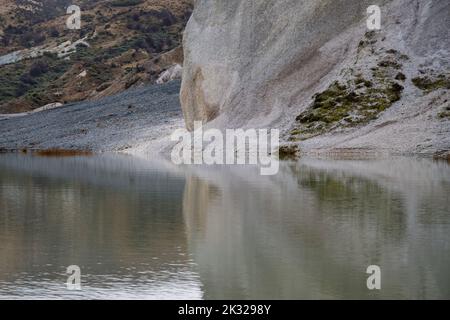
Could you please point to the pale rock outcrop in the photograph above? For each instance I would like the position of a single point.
(259, 63)
(50, 106)
(62, 50)
(173, 73)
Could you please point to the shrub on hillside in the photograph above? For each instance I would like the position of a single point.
(20, 90)
(38, 68)
(54, 33)
(26, 78)
(30, 39)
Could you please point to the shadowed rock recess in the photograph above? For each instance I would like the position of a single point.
(314, 70)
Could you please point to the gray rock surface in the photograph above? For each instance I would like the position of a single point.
(259, 63)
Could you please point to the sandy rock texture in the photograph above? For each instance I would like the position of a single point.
(263, 63)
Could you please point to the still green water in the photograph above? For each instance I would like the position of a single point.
(150, 230)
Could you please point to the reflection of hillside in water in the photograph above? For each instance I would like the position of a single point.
(150, 230)
(116, 218)
(312, 230)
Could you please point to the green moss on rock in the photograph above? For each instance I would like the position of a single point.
(429, 84)
(444, 115)
(343, 106)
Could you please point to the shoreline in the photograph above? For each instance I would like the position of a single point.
(128, 120)
(139, 122)
(331, 154)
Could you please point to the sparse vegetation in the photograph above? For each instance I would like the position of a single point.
(445, 114)
(390, 64)
(288, 152)
(357, 101)
(31, 80)
(430, 83)
(346, 106)
(369, 40)
(127, 35)
(54, 33)
(400, 76)
(38, 68)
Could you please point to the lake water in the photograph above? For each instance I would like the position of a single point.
(142, 229)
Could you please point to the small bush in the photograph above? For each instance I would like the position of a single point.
(27, 79)
(54, 33)
(38, 68)
(21, 89)
(31, 39)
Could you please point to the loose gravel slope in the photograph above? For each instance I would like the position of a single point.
(117, 123)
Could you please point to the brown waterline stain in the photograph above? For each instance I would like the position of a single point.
(52, 152)
(61, 153)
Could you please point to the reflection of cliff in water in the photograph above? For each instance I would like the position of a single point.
(312, 230)
(150, 230)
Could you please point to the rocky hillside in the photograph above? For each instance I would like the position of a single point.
(315, 70)
(121, 44)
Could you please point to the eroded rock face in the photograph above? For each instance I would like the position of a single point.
(259, 63)
(256, 55)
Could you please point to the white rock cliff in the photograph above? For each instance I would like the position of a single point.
(260, 63)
